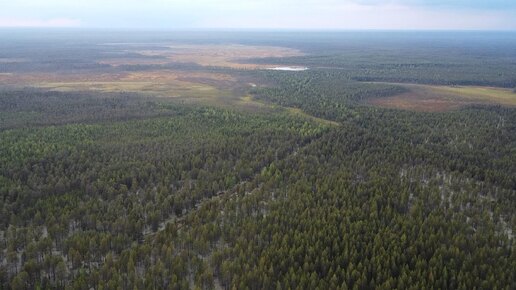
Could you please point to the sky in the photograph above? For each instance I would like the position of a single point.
(262, 14)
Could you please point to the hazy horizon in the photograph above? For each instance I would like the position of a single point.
(455, 15)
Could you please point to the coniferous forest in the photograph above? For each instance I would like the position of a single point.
(281, 180)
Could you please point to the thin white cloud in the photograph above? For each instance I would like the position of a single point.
(33, 22)
(356, 16)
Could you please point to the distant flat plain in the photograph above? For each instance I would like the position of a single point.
(217, 77)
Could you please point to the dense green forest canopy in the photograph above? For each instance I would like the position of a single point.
(301, 185)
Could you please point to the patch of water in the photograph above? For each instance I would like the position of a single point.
(289, 68)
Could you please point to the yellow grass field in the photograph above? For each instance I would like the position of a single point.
(185, 85)
(482, 94)
(443, 98)
(227, 55)
(163, 83)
